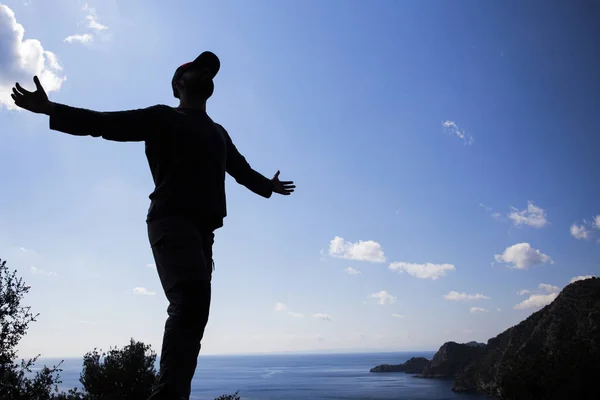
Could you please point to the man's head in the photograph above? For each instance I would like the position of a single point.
(194, 80)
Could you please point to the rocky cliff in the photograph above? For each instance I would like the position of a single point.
(451, 359)
(413, 366)
(553, 354)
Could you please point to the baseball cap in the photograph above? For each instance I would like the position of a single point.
(206, 59)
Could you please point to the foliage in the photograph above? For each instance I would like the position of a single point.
(234, 396)
(16, 382)
(120, 374)
(127, 373)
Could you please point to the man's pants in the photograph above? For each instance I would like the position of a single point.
(183, 256)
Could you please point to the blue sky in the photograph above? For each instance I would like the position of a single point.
(446, 157)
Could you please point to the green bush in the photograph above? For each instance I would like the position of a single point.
(15, 384)
(127, 373)
(119, 374)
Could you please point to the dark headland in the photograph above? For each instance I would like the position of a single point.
(553, 354)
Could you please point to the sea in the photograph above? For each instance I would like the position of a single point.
(298, 377)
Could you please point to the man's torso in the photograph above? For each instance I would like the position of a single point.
(188, 165)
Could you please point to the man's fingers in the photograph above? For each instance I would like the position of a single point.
(17, 101)
(38, 85)
(276, 176)
(22, 89)
(16, 93)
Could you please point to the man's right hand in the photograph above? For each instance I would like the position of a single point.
(36, 102)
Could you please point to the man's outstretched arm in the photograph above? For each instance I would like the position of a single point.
(121, 126)
(244, 174)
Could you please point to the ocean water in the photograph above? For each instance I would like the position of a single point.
(299, 377)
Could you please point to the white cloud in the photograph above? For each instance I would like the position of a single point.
(454, 295)
(39, 271)
(451, 128)
(486, 208)
(81, 38)
(296, 315)
(91, 23)
(499, 309)
(352, 271)
(540, 298)
(21, 59)
(580, 278)
(549, 288)
(325, 317)
(422, 271)
(522, 255)
(140, 291)
(384, 298)
(596, 221)
(475, 310)
(151, 265)
(280, 307)
(580, 232)
(359, 251)
(523, 292)
(398, 316)
(533, 216)
(536, 301)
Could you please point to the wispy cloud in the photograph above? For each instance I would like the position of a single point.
(279, 307)
(475, 310)
(422, 271)
(523, 292)
(580, 232)
(384, 298)
(533, 216)
(92, 23)
(81, 38)
(548, 288)
(140, 291)
(580, 278)
(451, 128)
(486, 208)
(39, 271)
(92, 19)
(494, 214)
(360, 251)
(539, 299)
(536, 301)
(352, 271)
(587, 229)
(151, 266)
(456, 296)
(522, 256)
(398, 316)
(324, 317)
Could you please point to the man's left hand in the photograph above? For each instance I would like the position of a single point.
(282, 187)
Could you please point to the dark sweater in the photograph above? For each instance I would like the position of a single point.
(187, 152)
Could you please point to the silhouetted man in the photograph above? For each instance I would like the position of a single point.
(188, 155)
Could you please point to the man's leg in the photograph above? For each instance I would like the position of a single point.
(183, 257)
